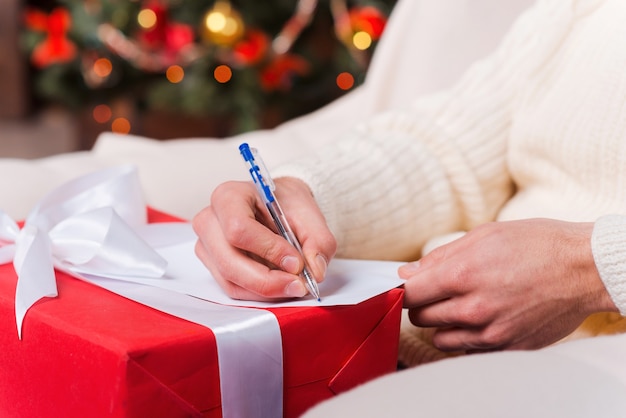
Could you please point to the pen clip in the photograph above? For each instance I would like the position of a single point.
(264, 173)
(258, 171)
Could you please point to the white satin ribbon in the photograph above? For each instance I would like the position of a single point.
(95, 228)
(84, 226)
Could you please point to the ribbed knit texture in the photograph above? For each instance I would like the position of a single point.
(538, 129)
(609, 246)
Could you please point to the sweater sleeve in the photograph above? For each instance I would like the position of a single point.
(608, 244)
(438, 166)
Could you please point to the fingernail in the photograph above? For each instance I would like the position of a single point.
(295, 289)
(410, 268)
(290, 264)
(322, 265)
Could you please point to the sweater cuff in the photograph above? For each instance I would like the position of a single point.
(608, 245)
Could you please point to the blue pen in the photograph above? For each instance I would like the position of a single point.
(265, 186)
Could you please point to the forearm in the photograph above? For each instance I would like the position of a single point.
(382, 193)
(398, 181)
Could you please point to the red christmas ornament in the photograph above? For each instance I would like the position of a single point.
(368, 19)
(56, 47)
(252, 48)
(279, 74)
(165, 36)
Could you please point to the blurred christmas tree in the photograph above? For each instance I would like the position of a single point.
(250, 64)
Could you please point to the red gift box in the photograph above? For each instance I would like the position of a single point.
(92, 353)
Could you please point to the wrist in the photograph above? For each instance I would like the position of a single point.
(596, 297)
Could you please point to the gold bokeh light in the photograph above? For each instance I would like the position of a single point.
(147, 18)
(362, 40)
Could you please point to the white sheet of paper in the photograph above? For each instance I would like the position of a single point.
(347, 282)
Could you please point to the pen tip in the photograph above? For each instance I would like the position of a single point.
(319, 299)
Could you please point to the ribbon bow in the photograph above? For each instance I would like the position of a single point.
(56, 47)
(91, 226)
(95, 227)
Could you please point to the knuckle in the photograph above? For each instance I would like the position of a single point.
(459, 278)
(234, 292)
(445, 341)
(263, 288)
(198, 249)
(493, 337)
(473, 313)
(199, 221)
(437, 255)
(329, 245)
(270, 286)
(234, 231)
(222, 189)
(440, 342)
(271, 252)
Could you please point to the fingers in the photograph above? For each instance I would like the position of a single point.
(308, 224)
(241, 276)
(467, 312)
(238, 243)
(454, 334)
(439, 294)
(440, 275)
(468, 340)
(243, 222)
(503, 285)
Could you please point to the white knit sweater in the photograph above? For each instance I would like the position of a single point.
(536, 130)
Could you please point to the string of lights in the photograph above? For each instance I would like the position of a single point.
(218, 57)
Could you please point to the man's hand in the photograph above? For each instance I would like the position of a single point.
(238, 243)
(507, 285)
